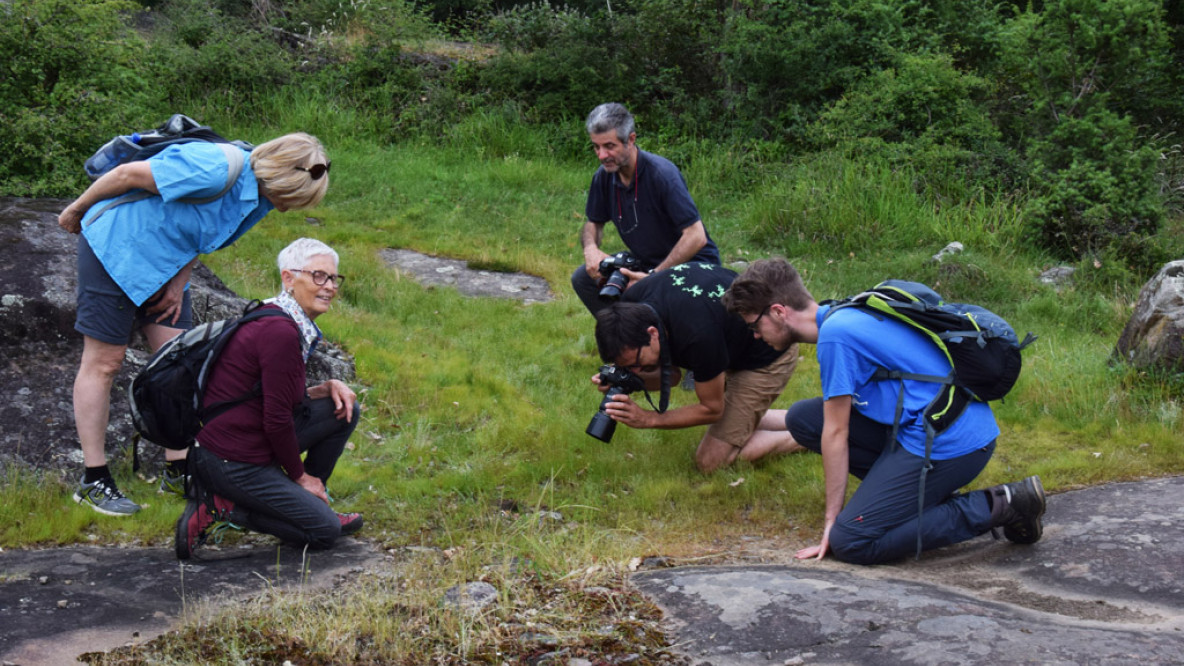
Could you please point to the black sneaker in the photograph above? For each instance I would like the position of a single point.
(1019, 509)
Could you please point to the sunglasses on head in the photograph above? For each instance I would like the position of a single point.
(317, 170)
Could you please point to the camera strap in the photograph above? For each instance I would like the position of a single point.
(664, 359)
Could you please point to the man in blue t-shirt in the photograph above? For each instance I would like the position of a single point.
(645, 197)
(673, 319)
(851, 425)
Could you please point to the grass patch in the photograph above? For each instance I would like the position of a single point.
(475, 405)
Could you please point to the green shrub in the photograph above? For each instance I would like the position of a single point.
(1097, 185)
(1085, 74)
(924, 112)
(785, 60)
(71, 77)
(655, 56)
(213, 63)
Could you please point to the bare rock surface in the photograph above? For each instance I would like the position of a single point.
(40, 350)
(1102, 587)
(59, 603)
(439, 271)
(1154, 336)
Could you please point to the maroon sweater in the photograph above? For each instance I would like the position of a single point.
(259, 431)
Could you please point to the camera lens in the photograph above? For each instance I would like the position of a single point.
(602, 426)
(614, 286)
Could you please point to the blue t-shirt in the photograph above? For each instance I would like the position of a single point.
(651, 212)
(853, 344)
(144, 243)
(701, 334)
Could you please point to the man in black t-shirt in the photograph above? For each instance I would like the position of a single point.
(674, 319)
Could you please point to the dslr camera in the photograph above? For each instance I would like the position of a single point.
(611, 266)
(620, 382)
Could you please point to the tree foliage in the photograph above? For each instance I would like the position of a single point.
(1064, 104)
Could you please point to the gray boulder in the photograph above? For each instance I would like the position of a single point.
(40, 350)
(1154, 337)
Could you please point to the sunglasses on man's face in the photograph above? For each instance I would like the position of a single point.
(317, 170)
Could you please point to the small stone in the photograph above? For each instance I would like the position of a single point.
(471, 597)
(43, 580)
(953, 248)
(63, 604)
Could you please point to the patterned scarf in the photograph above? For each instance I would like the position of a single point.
(310, 335)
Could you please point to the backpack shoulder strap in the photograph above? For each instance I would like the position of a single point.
(235, 162)
(252, 312)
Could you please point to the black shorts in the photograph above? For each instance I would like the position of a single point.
(105, 313)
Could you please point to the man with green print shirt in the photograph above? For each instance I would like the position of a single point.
(674, 319)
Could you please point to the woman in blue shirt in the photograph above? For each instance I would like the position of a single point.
(135, 259)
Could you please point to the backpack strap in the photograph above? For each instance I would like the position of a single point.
(235, 163)
(207, 414)
(930, 431)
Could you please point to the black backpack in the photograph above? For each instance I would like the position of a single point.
(981, 346)
(166, 396)
(142, 145)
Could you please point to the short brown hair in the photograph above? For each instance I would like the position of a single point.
(763, 283)
(277, 165)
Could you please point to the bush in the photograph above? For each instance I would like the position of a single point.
(655, 56)
(1097, 186)
(924, 112)
(213, 63)
(71, 79)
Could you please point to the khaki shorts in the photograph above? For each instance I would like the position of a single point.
(747, 396)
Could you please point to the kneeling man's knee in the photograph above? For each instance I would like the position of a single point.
(849, 546)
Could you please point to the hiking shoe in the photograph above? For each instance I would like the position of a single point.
(172, 484)
(103, 496)
(1018, 508)
(190, 531)
(350, 523)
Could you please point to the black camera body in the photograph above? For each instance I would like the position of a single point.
(620, 382)
(616, 282)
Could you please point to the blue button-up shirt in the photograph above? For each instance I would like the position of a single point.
(144, 243)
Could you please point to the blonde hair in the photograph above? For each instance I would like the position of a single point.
(277, 165)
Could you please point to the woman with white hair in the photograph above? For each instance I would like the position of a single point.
(246, 466)
(135, 256)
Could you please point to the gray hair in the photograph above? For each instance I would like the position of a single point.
(300, 251)
(610, 116)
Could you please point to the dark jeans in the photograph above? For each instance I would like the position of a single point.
(265, 499)
(879, 523)
(588, 290)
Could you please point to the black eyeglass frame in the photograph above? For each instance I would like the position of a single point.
(337, 278)
(316, 171)
(757, 322)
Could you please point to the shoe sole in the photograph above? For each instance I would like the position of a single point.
(83, 500)
(1038, 522)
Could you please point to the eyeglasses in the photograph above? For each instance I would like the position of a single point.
(319, 278)
(638, 367)
(752, 326)
(317, 170)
